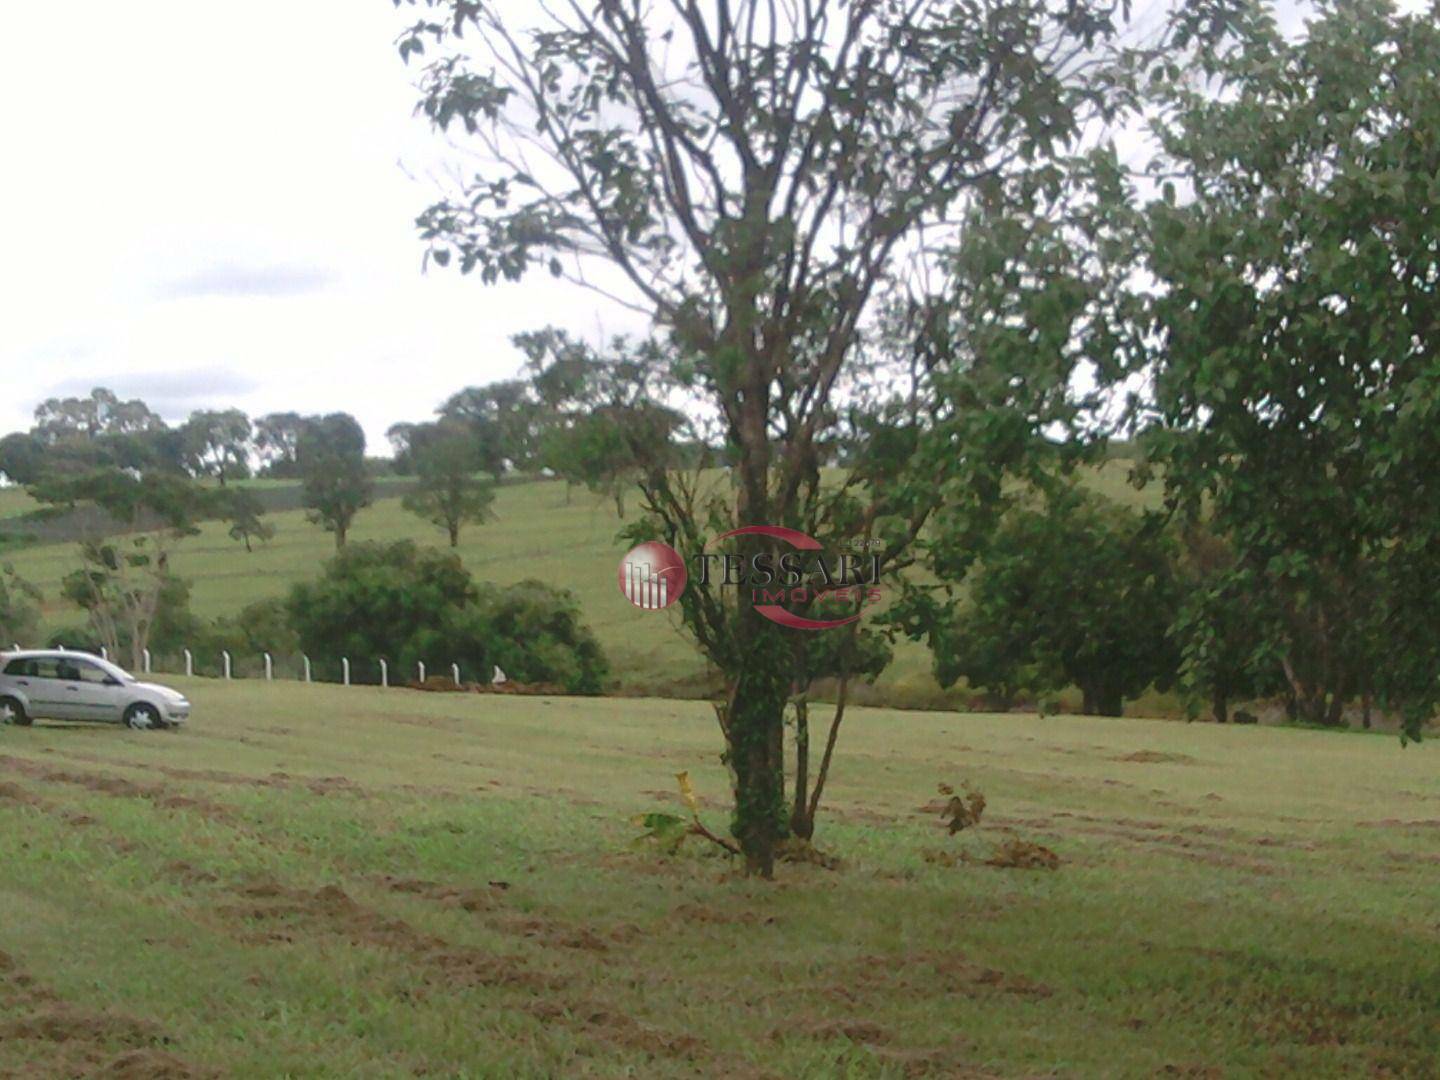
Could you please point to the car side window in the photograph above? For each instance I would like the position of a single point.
(88, 673)
(43, 668)
(20, 667)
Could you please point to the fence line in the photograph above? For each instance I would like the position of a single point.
(227, 666)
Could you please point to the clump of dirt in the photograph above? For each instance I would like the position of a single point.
(616, 1028)
(558, 936)
(440, 684)
(1018, 854)
(1156, 757)
(331, 910)
(464, 897)
(151, 1065)
(16, 794)
(856, 1031)
(716, 916)
(189, 874)
(61, 1023)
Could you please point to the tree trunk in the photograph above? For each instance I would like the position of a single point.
(801, 824)
(1102, 701)
(339, 537)
(756, 721)
(1220, 706)
(620, 503)
(454, 534)
(842, 695)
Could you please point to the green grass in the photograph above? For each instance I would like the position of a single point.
(300, 885)
(536, 534)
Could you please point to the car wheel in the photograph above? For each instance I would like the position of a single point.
(143, 717)
(12, 712)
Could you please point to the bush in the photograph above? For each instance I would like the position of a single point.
(408, 604)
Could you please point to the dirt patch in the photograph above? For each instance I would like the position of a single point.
(607, 1025)
(280, 913)
(190, 875)
(557, 935)
(150, 1065)
(856, 1031)
(464, 897)
(717, 916)
(1157, 757)
(1396, 823)
(14, 793)
(61, 1023)
(932, 973)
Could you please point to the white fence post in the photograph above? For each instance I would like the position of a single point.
(420, 666)
(384, 673)
(189, 662)
(307, 666)
(146, 655)
(269, 668)
(455, 673)
(226, 655)
(345, 670)
(104, 652)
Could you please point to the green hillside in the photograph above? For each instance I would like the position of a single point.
(536, 534)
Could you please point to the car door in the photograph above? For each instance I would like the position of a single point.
(37, 677)
(92, 694)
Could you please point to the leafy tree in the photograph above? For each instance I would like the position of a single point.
(102, 413)
(22, 457)
(400, 435)
(124, 580)
(277, 443)
(448, 493)
(245, 514)
(217, 443)
(606, 422)
(1078, 593)
(331, 456)
(1290, 334)
(1219, 627)
(504, 419)
(758, 175)
(19, 608)
(407, 604)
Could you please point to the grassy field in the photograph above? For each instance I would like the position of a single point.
(536, 534)
(314, 881)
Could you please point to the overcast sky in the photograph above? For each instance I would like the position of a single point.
(212, 204)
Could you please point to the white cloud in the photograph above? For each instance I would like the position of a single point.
(214, 204)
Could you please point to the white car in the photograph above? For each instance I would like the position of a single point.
(60, 685)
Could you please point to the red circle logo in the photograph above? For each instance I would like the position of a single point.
(652, 575)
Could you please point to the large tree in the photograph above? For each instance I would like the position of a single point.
(756, 178)
(217, 443)
(1291, 335)
(1079, 592)
(448, 491)
(125, 577)
(605, 417)
(330, 456)
(277, 442)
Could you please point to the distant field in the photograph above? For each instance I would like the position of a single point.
(536, 534)
(363, 883)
